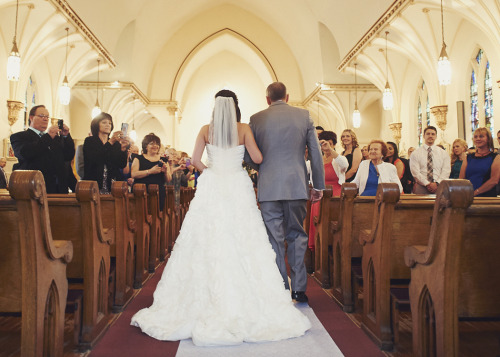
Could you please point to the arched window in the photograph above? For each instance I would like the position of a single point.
(488, 100)
(474, 115)
(29, 100)
(423, 99)
(480, 87)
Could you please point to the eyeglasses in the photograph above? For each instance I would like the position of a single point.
(43, 116)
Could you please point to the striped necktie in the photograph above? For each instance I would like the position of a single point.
(430, 169)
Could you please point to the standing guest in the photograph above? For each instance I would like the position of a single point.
(46, 152)
(393, 158)
(458, 157)
(319, 130)
(104, 156)
(364, 152)
(482, 168)
(133, 151)
(429, 164)
(352, 152)
(150, 168)
(498, 137)
(374, 171)
(3, 176)
(335, 168)
(410, 151)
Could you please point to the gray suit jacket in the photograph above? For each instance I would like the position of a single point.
(282, 133)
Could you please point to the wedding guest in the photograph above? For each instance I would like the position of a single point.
(149, 168)
(364, 152)
(47, 152)
(133, 151)
(104, 154)
(335, 168)
(410, 151)
(498, 137)
(3, 174)
(374, 171)
(458, 156)
(352, 152)
(392, 157)
(482, 168)
(319, 130)
(429, 164)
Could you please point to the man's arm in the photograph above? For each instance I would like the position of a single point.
(27, 149)
(317, 168)
(246, 157)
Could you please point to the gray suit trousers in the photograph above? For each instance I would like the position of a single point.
(284, 221)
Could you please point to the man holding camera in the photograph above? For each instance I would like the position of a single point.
(45, 151)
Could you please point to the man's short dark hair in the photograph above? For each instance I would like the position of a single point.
(276, 91)
(328, 135)
(431, 128)
(319, 128)
(33, 111)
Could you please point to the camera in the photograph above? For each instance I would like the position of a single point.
(60, 123)
(160, 163)
(125, 129)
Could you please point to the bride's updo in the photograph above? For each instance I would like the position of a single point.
(231, 94)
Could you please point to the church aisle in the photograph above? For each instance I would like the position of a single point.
(329, 322)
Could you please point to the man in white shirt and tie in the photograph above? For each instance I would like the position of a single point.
(3, 174)
(429, 164)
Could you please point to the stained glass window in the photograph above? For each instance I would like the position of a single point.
(474, 114)
(29, 100)
(420, 130)
(428, 112)
(488, 99)
(479, 56)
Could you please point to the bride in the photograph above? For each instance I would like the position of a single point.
(221, 285)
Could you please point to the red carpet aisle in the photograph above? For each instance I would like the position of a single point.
(124, 340)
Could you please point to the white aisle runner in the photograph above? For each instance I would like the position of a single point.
(316, 342)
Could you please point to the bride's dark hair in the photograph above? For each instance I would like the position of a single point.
(230, 94)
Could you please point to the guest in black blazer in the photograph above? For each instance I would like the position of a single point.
(46, 152)
(3, 175)
(104, 156)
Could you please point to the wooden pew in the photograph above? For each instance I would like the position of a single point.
(138, 206)
(33, 266)
(396, 224)
(116, 215)
(355, 214)
(328, 211)
(80, 220)
(156, 234)
(456, 274)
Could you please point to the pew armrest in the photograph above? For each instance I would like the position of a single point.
(63, 250)
(335, 226)
(365, 236)
(416, 254)
(107, 235)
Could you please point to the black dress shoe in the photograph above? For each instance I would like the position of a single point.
(299, 296)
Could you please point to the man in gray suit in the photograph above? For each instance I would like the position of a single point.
(282, 134)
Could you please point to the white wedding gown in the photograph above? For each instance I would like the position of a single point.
(221, 285)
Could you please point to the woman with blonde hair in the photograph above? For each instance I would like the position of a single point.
(482, 168)
(352, 153)
(458, 156)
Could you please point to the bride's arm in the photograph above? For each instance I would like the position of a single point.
(251, 145)
(199, 147)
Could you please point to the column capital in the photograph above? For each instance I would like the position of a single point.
(172, 107)
(14, 107)
(396, 131)
(439, 112)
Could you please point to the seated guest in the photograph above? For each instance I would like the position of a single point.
(104, 156)
(374, 171)
(47, 152)
(482, 168)
(150, 168)
(335, 168)
(392, 157)
(364, 152)
(410, 151)
(352, 153)
(457, 157)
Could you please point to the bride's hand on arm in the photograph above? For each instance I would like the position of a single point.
(251, 145)
(199, 147)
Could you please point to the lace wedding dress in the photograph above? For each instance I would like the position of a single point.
(221, 285)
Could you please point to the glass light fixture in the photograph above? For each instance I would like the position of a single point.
(387, 99)
(97, 108)
(444, 65)
(14, 60)
(356, 115)
(64, 89)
